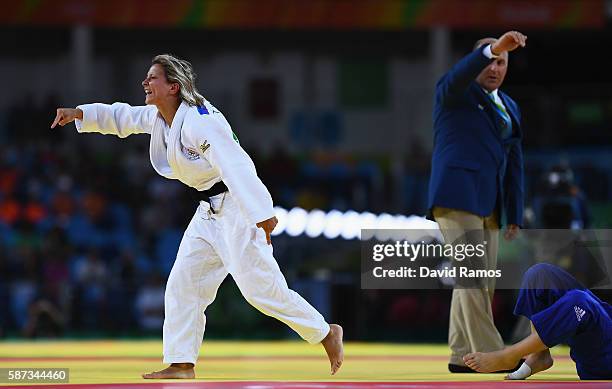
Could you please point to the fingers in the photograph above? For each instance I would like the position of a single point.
(268, 227)
(62, 117)
(517, 38)
(274, 222)
(514, 231)
(268, 237)
(58, 117)
(511, 232)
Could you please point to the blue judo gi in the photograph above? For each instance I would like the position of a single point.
(564, 311)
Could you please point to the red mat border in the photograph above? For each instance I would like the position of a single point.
(337, 385)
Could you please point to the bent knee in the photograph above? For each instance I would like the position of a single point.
(265, 292)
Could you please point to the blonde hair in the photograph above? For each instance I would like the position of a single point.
(180, 71)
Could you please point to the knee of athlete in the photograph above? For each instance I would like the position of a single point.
(260, 294)
(177, 282)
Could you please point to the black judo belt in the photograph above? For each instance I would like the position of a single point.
(205, 195)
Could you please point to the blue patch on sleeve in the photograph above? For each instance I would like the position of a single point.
(202, 110)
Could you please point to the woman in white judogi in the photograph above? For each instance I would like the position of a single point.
(191, 141)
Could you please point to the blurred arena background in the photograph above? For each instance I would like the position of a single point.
(332, 100)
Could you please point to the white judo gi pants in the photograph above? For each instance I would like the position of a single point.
(212, 247)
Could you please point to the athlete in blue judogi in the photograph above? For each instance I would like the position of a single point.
(561, 310)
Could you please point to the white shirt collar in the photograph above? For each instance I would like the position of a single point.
(495, 95)
(493, 92)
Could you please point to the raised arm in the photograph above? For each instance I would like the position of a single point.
(118, 119)
(454, 83)
(459, 77)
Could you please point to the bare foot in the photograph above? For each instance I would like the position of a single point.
(537, 362)
(490, 362)
(334, 347)
(175, 370)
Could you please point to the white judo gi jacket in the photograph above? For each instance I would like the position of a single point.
(201, 149)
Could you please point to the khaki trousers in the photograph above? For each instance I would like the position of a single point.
(471, 327)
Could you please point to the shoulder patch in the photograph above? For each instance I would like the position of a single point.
(202, 110)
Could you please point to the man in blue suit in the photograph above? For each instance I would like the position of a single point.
(477, 179)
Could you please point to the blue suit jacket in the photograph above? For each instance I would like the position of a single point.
(473, 169)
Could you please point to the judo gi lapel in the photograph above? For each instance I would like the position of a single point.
(157, 149)
(174, 140)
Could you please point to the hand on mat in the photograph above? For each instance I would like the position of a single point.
(511, 232)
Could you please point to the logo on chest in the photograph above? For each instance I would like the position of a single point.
(204, 146)
(190, 154)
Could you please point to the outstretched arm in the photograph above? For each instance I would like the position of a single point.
(118, 119)
(454, 83)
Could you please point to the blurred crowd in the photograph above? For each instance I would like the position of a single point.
(89, 234)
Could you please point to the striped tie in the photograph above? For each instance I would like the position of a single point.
(501, 110)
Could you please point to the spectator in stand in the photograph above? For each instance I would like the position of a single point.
(150, 304)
